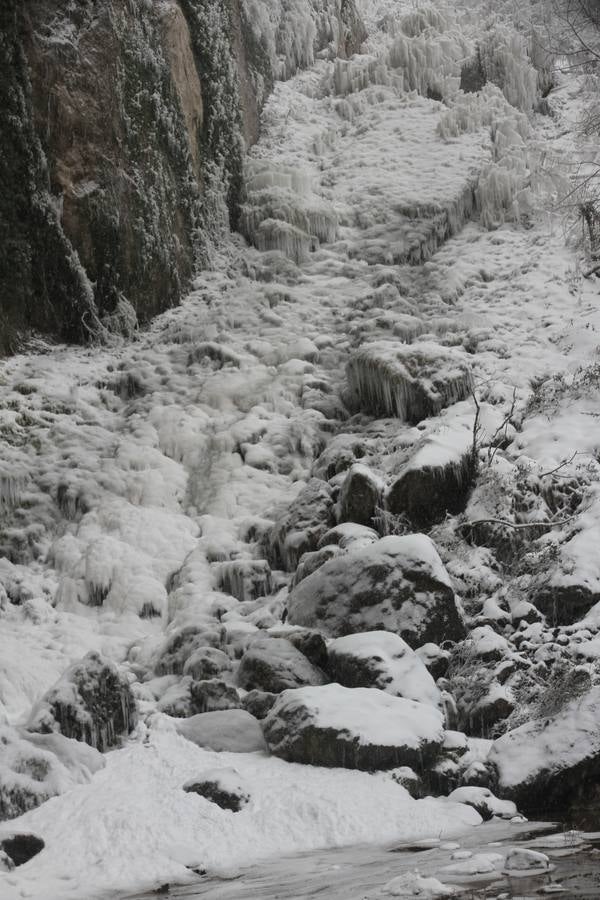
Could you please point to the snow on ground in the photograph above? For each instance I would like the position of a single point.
(150, 831)
(129, 474)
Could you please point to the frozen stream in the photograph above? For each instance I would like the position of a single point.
(359, 873)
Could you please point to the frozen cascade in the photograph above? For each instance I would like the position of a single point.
(179, 481)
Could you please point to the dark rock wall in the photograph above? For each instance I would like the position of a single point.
(122, 130)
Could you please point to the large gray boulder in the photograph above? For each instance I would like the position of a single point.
(91, 702)
(396, 584)
(436, 480)
(231, 730)
(552, 762)
(274, 665)
(354, 728)
(410, 381)
(380, 659)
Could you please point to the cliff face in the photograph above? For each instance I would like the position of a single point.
(122, 127)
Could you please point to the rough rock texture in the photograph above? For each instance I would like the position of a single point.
(380, 659)
(395, 584)
(435, 481)
(92, 702)
(21, 847)
(410, 381)
(274, 665)
(122, 128)
(258, 703)
(221, 786)
(552, 762)
(359, 728)
(360, 496)
(299, 529)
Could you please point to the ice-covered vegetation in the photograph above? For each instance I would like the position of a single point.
(321, 542)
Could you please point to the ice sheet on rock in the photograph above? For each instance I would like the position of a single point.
(411, 381)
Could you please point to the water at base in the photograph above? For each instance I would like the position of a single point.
(359, 873)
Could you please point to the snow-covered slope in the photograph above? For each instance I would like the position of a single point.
(156, 495)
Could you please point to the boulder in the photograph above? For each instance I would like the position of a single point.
(396, 584)
(522, 860)
(91, 702)
(355, 728)
(21, 846)
(212, 695)
(221, 786)
(180, 645)
(274, 665)
(259, 703)
(436, 480)
(486, 803)
(206, 662)
(348, 534)
(380, 659)
(231, 730)
(410, 381)
(435, 659)
(360, 496)
(310, 562)
(311, 644)
(552, 762)
(300, 527)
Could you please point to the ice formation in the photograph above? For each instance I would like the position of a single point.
(408, 381)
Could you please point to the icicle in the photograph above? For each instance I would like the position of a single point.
(245, 579)
(408, 381)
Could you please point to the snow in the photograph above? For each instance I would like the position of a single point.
(368, 714)
(400, 671)
(139, 482)
(150, 831)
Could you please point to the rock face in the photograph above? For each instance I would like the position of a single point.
(395, 584)
(274, 665)
(435, 481)
(380, 659)
(360, 728)
(122, 127)
(221, 786)
(552, 762)
(92, 702)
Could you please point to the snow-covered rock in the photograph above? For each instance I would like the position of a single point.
(380, 659)
(92, 702)
(410, 381)
(274, 665)
(232, 730)
(20, 846)
(360, 495)
(436, 479)
(221, 786)
(523, 861)
(486, 804)
(551, 762)
(395, 584)
(300, 527)
(359, 728)
(413, 884)
(34, 767)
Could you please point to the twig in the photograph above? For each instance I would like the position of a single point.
(518, 525)
(564, 463)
